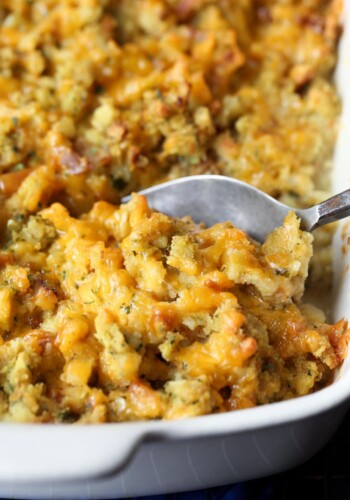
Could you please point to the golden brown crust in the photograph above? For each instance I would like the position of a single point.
(125, 314)
(114, 96)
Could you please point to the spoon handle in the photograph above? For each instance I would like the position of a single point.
(333, 209)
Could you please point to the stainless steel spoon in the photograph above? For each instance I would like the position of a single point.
(215, 198)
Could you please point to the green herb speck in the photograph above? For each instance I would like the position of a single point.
(18, 167)
(99, 89)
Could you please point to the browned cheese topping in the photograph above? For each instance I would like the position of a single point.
(125, 314)
(112, 313)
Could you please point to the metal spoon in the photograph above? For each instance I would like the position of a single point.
(215, 198)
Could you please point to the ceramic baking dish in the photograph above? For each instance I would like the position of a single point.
(127, 459)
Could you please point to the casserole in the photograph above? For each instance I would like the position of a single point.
(158, 457)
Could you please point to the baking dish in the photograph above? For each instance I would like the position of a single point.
(127, 459)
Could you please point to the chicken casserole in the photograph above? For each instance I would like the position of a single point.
(114, 313)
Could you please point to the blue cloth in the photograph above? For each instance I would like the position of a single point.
(265, 489)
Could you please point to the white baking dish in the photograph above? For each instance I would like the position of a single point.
(119, 460)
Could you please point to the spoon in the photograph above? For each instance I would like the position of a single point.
(215, 198)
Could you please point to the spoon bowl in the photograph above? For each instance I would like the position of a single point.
(214, 198)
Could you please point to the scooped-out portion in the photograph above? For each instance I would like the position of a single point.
(127, 314)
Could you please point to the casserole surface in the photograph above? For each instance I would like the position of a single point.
(299, 427)
(128, 314)
(167, 89)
